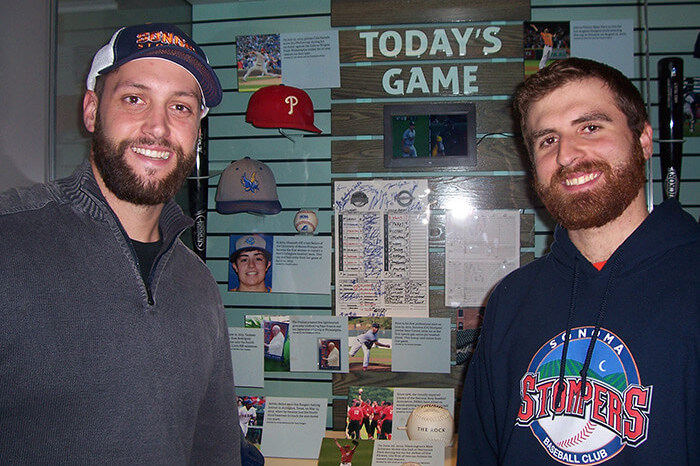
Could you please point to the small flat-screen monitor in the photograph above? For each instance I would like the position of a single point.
(425, 135)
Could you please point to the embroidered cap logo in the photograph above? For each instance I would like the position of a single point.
(292, 101)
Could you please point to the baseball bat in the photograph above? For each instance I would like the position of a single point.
(198, 187)
(671, 124)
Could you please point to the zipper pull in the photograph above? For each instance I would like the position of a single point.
(151, 302)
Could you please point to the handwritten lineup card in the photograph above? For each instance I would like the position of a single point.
(381, 244)
(481, 248)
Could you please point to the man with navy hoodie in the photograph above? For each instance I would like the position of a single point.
(590, 354)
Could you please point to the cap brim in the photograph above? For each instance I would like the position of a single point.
(256, 207)
(310, 128)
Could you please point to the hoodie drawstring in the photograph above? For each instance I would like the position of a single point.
(561, 384)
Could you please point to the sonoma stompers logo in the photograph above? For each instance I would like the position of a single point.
(587, 429)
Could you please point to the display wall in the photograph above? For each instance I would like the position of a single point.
(350, 146)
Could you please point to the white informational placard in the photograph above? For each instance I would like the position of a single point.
(481, 248)
(381, 248)
(421, 345)
(293, 427)
(310, 59)
(607, 41)
(407, 399)
(247, 356)
(320, 343)
(302, 264)
(401, 452)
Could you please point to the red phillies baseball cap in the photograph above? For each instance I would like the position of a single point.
(281, 107)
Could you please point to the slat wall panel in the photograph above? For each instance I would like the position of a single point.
(301, 167)
(305, 172)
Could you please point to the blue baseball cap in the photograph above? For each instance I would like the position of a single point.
(158, 40)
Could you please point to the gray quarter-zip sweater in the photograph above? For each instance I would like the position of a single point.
(96, 366)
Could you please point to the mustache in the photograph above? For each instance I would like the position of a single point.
(586, 166)
(143, 141)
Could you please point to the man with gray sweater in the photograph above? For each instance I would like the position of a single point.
(113, 343)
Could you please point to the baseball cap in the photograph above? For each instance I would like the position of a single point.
(158, 40)
(248, 242)
(281, 106)
(247, 185)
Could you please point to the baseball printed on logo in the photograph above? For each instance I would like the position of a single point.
(593, 427)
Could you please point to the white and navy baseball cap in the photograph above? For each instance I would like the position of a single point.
(247, 185)
(158, 40)
(249, 243)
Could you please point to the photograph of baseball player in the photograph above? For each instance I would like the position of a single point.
(370, 413)
(251, 413)
(543, 42)
(258, 61)
(344, 452)
(411, 136)
(250, 259)
(372, 335)
(276, 343)
(329, 354)
(430, 135)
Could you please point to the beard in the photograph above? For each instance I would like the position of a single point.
(111, 161)
(601, 205)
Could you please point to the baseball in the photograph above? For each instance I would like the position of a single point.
(305, 221)
(430, 422)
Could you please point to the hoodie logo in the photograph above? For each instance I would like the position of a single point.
(250, 185)
(593, 427)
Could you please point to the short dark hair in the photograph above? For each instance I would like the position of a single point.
(565, 71)
(99, 86)
(236, 254)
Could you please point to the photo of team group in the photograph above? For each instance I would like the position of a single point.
(370, 413)
(251, 414)
(258, 61)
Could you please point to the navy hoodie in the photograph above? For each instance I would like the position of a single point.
(581, 366)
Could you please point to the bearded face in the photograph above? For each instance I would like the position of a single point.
(595, 207)
(110, 158)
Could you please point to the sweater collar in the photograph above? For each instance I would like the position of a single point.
(82, 190)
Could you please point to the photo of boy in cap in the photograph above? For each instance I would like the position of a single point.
(251, 263)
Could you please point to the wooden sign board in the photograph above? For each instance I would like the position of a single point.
(446, 80)
(366, 12)
(450, 42)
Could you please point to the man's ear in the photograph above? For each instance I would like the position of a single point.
(90, 104)
(646, 140)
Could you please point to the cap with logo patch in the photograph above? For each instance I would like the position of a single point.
(281, 106)
(247, 185)
(158, 40)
